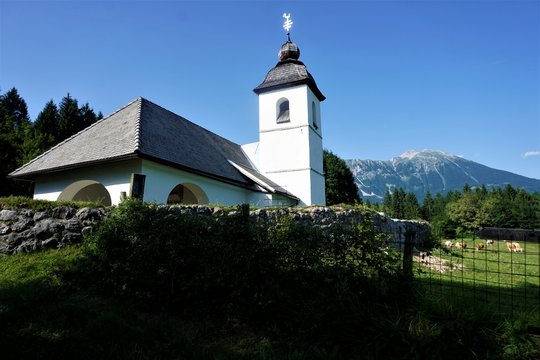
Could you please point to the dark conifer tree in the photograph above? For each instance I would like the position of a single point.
(411, 207)
(69, 119)
(87, 117)
(427, 210)
(387, 202)
(14, 122)
(398, 203)
(47, 121)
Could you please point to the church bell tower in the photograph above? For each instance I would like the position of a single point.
(290, 126)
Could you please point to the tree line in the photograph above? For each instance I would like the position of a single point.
(468, 210)
(22, 139)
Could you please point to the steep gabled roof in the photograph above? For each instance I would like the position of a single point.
(145, 130)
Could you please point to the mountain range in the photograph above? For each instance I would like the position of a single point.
(429, 170)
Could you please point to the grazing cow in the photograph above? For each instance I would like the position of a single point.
(513, 246)
(461, 245)
(480, 246)
(490, 242)
(448, 244)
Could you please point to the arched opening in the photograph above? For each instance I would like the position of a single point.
(86, 190)
(314, 115)
(283, 114)
(187, 193)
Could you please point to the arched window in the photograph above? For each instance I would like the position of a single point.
(314, 115)
(283, 111)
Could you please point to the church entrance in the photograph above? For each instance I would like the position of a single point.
(86, 190)
(187, 193)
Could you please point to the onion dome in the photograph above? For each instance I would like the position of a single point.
(289, 51)
(288, 72)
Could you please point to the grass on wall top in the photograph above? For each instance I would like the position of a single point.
(14, 202)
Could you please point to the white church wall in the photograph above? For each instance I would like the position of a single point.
(316, 152)
(318, 193)
(161, 179)
(115, 177)
(298, 108)
(291, 153)
(252, 152)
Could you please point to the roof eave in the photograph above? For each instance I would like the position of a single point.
(262, 88)
(247, 185)
(31, 175)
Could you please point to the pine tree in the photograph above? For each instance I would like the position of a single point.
(427, 210)
(87, 117)
(47, 122)
(398, 203)
(16, 111)
(14, 122)
(411, 208)
(387, 202)
(69, 119)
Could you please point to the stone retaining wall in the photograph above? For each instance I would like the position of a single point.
(24, 230)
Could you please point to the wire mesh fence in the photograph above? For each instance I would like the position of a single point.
(501, 272)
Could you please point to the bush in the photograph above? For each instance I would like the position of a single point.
(286, 276)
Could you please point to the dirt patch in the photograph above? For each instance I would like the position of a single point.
(436, 263)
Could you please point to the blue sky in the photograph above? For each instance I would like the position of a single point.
(458, 76)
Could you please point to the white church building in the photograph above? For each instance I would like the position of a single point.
(145, 151)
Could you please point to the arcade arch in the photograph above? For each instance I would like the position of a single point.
(86, 190)
(187, 193)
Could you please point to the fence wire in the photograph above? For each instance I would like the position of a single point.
(499, 272)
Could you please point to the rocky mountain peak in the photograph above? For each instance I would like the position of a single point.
(431, 171)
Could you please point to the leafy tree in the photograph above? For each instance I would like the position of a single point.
(340, 186)
(466, 213)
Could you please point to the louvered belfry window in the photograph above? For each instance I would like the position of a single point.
(314, 114)
(283, 114)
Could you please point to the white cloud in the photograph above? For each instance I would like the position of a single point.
(531, 153)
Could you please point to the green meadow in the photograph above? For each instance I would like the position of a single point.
(506, 281)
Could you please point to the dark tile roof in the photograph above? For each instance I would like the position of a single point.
(110, 138)
(288, 73)
(146, 130)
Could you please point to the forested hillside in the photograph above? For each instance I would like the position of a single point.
(467, 210)
(22, 139)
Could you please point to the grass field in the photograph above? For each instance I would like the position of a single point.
(45, 313)
(506, 281)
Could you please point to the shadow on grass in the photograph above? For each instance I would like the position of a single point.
(519, 302)
(54, 324)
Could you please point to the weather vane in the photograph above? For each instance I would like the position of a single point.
(287, 24)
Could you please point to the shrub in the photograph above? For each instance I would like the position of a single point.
(285, 276)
